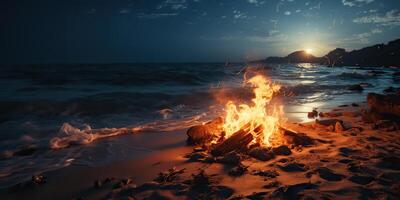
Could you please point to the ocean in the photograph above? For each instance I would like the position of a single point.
(37, 103)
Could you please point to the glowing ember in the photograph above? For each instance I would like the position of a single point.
(260, 113)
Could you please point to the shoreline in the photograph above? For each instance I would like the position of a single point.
(330, 166)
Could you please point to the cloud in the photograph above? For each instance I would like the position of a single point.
(274, 36)
(269, 39)
(92, 11)
(391, 18)
(155, 15)
(173, 5)
(360, 38)
(255, 2)
(287, 13)
(278, 6)
(273, 32)
(376, 31)
(274, 22)
(359, 3)
(239, 15)
(124, 11)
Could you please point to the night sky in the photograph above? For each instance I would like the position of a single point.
(125, 31)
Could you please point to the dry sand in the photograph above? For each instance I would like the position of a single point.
(350, 164)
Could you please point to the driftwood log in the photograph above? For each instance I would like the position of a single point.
(201, 134)
(239, 140)
(294, 138)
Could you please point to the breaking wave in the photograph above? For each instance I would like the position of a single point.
(69, 135)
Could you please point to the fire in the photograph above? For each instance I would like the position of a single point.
(261, 112)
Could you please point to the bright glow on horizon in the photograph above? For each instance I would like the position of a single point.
(309, 50)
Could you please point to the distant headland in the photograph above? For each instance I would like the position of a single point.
(376, 55)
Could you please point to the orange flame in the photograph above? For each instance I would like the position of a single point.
(261, 112)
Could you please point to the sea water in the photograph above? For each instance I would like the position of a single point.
(37, 100)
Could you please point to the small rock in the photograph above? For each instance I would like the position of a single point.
(292, 191)
(330, 128)
(358, 168)
(221, 192)
(385, 124)
(26, 151)
(282, 150)
(127, 181)
(209, 159)
(328, 174)
(366, 85)
(283, 160)
(109, 179)
(375, 72)
(373, 138)
(197, 156)
(344, 151)
(351, 114)
(238, 170)
(266, 173)
(355, 105)
(198, 149)
(262, 154)
(362, 180)
(38, 179)
(339, 127)
(391, 90)
(390, 176)
(147, 186)
(293, 167)
(355, 130)
(6, 154)
(390, 162)
(257, 196)
(272, 185)
(169, 176)
(157, 195)
(231, 158)
(313, 114)
(345, 161)
(97, 183)
(356, 87)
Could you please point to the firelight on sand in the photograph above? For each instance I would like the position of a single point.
(260, 113)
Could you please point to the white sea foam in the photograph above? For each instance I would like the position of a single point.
(70, 135)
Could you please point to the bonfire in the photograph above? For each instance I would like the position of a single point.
(257, 124)
(261, 118)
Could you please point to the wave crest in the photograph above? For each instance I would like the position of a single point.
(70, 135)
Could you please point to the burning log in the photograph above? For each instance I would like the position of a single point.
(239, 140)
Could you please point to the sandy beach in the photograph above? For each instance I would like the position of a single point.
(358, 162)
